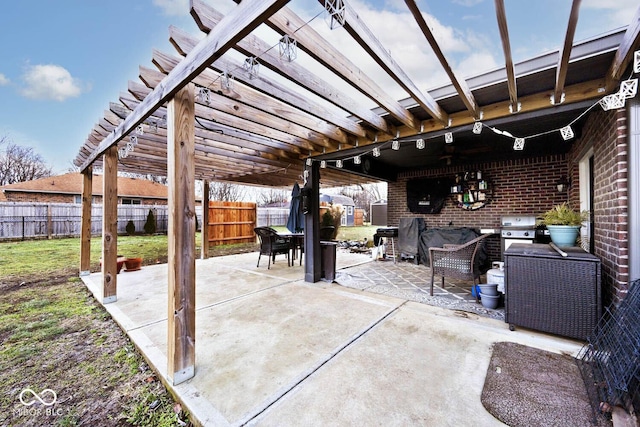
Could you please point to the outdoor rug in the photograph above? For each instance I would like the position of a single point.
(526, 386)
(412, 282)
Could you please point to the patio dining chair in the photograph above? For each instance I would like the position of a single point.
(456, 261)
(272, 244)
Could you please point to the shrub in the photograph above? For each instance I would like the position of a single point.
(150, 225)
(331, 216)
(130, 228)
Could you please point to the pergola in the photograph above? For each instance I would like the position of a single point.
(189, 120)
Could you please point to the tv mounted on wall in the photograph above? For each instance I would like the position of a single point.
(427, 195)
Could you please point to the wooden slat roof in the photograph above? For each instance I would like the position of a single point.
(263, 129)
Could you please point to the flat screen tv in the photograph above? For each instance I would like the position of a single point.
(427, 195)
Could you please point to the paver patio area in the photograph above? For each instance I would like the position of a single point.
(274, 350)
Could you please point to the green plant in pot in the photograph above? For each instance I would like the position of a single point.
(563, 223)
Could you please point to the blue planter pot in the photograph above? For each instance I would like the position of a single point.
(564, 235)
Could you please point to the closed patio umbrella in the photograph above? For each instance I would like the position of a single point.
(295, 223)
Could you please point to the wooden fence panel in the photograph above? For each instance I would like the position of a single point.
(231, 222)
(23, 220)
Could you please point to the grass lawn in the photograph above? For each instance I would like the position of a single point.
(55, 336)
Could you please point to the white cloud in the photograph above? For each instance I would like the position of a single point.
(3, 80)
(173, 7)
(467, 3)
(51, 82)
(617, 13)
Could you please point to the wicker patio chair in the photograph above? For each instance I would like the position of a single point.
(272, 244)
(456, 261)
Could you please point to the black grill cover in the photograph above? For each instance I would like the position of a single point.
(437, 237)
(409, 231)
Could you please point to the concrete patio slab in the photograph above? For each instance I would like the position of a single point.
(272, 349)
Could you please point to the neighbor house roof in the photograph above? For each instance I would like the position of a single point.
(71, 183)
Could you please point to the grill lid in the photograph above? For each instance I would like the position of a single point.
(521, 222)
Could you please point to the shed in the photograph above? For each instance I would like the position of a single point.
(379, 212)
(347, 203)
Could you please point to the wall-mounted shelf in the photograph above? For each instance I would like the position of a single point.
(471, 190)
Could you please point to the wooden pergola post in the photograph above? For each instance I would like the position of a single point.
(312, 263)
(204, 233)
(110, 225)
(182, 214)
(85, 228)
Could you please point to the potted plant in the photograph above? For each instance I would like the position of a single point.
(563, 223)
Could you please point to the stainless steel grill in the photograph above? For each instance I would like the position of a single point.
(516, 229)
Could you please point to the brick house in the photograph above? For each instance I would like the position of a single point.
(67, 188)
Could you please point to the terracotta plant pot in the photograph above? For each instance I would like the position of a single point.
(133, 264)
(119, 262)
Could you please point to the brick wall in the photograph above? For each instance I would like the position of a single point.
(528, 187)
(520, 187)
(606, 133)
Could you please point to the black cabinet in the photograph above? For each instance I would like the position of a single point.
(551, 293)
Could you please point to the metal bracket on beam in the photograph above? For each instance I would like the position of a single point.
(515, 110)
(552, 98)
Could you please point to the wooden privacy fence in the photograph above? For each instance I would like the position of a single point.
(30, 220)
(231, 223)
(22, 220)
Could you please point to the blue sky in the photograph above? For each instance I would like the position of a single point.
(63, 61)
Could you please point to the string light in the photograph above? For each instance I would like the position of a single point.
(335, 10)
(518, 144)
(204, 95)
(448, 137)
(567, 133)
(288, 48)
(226, 81)
(252, 67)
(477, 128)
(628, 89)
(323, 164)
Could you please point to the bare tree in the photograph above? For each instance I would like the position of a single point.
(226, 192)
(363, 195)
(274, 196)
(19, 164)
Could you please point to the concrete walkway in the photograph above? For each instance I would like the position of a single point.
(273, 350)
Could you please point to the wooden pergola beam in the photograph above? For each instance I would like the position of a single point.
(508, 61)
(370, 43)
(270, 87)
(181, 326)
(285, 21)
(563, 60)
(208, 19)
(236, 25)
(327, 135)
(624, 54)
(460, 84)
(85, 228)
(109, 225)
